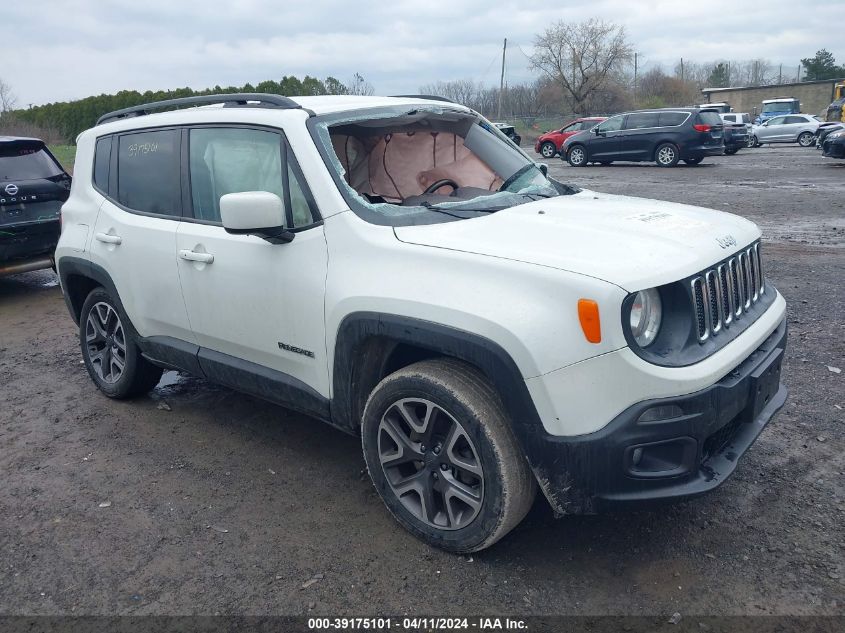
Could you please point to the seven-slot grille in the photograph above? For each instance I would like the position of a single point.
(721, 295)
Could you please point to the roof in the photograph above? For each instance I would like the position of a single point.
(331, 104)
(773, 86)
(19, 139)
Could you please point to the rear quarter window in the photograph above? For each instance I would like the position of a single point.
(670, 119)
(27, 162)
(148, 177)
(102, 158)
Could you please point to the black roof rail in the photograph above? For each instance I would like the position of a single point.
(242, 99)
(430, 97)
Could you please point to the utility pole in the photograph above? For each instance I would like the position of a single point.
(502, 81)
(798, 77)
(635, 79)
(682, 69)
(780, 74)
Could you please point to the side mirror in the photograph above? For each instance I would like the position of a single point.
(259, 213)
(543, 167)
(597, 131)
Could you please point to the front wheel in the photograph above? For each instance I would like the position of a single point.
(548, 149)
(577, 156)
(443, 457)
(753, 142)
(666, 155)
(110, 351)
(805, 139)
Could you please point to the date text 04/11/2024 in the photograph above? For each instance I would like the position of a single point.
(417, 623)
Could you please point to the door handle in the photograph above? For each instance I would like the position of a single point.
(108, 239)
(193, 256)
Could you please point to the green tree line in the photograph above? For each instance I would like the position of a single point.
(69, 118)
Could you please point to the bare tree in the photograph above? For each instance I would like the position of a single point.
(8, 100)
(580, 57)
(359, 86)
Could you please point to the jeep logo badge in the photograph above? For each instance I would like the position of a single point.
(11, 189)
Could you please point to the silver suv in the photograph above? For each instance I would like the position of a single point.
(791, 128)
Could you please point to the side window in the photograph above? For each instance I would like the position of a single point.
(230, 160)
(613, 124)
(641, 120)
(301, 207)
(148, 176)
(795, 119)
(572, 127)
(671, 119)
(746, 118)
(778, 120)
(730, 117)
(588, 125)
(102, 159)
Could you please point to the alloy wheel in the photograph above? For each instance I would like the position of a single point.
(666, 156)
(547, 150)
(106, 342)
(430, 463)
(576, 156)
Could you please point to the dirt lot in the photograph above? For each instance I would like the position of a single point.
(220, 503)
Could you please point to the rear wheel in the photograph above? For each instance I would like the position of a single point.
(443, 457)
(110, 351)
(693, 161)
(753, 142)
(548, 149)
(577, 156)
(805, 139)
(666, 155)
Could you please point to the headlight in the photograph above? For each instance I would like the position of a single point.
(646, 315)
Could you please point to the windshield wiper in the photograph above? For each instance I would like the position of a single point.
(433, 207)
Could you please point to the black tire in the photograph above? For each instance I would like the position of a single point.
(732, 151)
(138, 375)
(805, 139)
(577, 156)
(548, 150)
(465, 400)
(667, 155)
(753, 142)
(692, 162)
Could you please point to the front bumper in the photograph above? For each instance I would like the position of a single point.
(833, 150)
(631, 461)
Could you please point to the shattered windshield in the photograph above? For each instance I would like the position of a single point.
(419, 165)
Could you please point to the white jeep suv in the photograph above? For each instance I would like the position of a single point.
(398, 268)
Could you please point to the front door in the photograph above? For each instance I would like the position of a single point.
(247, 299)
(606, 141)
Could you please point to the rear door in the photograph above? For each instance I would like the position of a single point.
(33, 187)
(135, 232)
(638, 137)
(794, 125)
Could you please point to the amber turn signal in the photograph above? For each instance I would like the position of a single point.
(588, 315)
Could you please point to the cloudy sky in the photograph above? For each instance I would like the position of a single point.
(56, 50)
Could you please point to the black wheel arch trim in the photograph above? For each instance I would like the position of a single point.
(357, 329)
(69, 266)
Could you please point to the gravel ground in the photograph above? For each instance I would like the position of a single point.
(198, 500)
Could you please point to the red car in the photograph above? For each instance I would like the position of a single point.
(550, 143)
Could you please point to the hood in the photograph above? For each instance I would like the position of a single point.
(634, 243)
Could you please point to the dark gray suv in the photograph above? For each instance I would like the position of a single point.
(664, 136)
